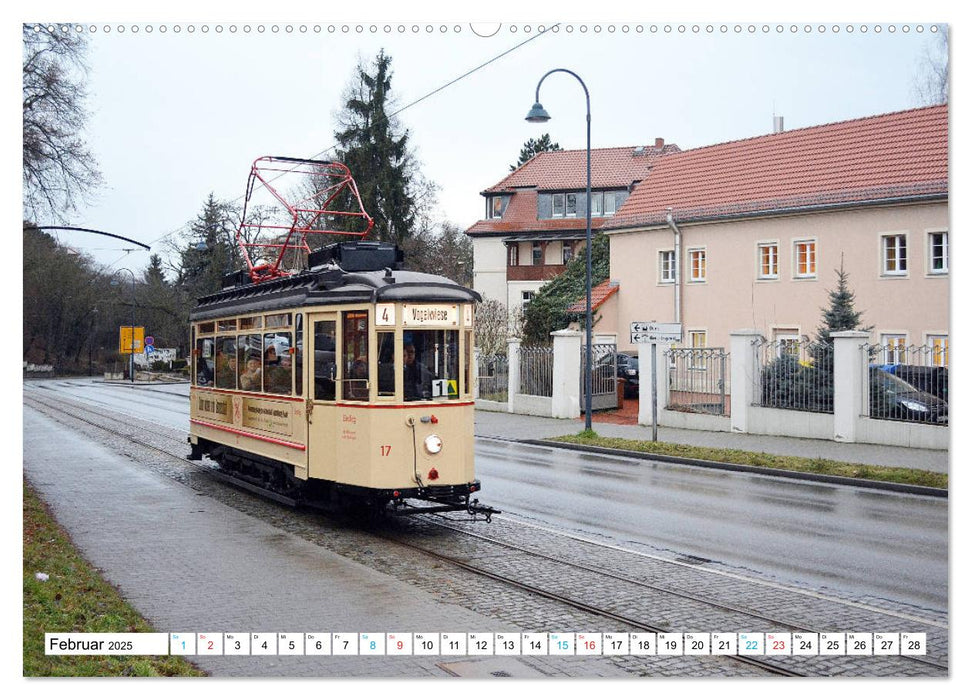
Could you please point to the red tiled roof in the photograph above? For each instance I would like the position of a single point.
(567, 170)
(598, 295)
(875, 158)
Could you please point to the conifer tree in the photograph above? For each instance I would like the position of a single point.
(376, 150)
(534, 146)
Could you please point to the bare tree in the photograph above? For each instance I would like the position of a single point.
(932, 83)
(58, 167)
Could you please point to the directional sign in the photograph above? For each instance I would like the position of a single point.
(653, 332)
(125, 343)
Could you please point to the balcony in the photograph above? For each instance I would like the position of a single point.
(532, 273)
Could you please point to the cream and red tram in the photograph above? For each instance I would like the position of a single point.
(352, 380)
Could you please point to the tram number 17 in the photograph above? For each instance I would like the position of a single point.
(385, 450)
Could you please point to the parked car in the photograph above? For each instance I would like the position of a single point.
(628, 369)
(891, 397)
(933, 380)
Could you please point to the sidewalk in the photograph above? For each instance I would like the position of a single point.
(509, 426)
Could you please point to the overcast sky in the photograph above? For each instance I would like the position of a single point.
(180, 114)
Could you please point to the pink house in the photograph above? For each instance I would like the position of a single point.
(748, 234)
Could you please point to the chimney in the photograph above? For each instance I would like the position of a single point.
(658, 143)
(777, 124)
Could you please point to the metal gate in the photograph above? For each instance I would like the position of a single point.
(604, 394)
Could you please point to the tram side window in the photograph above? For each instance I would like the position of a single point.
(204, 365)
(386, 364)
(325, 360)
(226, 363)
(431, 365)
(249, 357)
(277, 363)
(355, 384)
(298, 355)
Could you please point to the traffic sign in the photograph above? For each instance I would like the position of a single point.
(654, 332)
(127, 345)
(149, 348)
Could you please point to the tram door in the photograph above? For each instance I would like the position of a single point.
(323, 381)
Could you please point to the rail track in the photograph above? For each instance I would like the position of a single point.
(587, 579)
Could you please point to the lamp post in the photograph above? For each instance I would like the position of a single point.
(131, 357)
(538, 115)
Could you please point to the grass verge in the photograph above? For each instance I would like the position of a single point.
(76, 599)
(814, 465)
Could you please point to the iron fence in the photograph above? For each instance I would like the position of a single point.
(536, 370)
(795, 375)
(906, 382)
(698, 380)
(603, 394)
(493, 375)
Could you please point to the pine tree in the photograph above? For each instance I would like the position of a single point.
(534, 146)
(840, 316)
(377, 153)
(210, 253)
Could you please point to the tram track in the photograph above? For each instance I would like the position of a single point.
(89, 416)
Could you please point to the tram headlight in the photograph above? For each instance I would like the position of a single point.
(433, 444)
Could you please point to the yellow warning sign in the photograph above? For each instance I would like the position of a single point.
(126, 345)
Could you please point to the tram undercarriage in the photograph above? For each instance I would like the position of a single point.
(276, 480)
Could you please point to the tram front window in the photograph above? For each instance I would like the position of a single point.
(431, 365)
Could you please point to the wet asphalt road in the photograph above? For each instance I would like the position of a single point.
(854, 541)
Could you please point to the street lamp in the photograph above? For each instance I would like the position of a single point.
(131, 358)
(538, 115)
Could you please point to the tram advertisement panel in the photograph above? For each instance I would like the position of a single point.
(214, 407)
(272, 417)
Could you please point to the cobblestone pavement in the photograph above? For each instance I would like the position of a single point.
(220, 556)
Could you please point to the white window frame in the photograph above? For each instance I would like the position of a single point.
(774, 259)
(939, 357)
(690, 259)
(526, 297)
(785, 336)
(814, 258)
(610, 203)
(898, 355)
(571, 205)
(566, 254)
(693, 335)
(561, 198)
(596, 204)
(893, 254)
(930, 253)
(532, 254)
(512, 256)
(671, 269)
(494, 204)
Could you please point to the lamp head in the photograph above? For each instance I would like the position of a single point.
(537, 115)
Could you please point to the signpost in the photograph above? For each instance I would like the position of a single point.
(653, 332)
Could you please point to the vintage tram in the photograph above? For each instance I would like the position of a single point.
(351, 381)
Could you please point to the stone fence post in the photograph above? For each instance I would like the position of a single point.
(745, 376)
(566, 373)
(848, 369)
(659, 379)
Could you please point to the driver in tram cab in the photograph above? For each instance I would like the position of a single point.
(418, 378)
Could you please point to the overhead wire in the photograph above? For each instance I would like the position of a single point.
(397, 112)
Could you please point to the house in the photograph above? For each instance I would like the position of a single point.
(535, 218)
(749, 234)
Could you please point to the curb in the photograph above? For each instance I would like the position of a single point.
(728, 466)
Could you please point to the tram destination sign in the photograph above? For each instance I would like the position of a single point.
(654, 332)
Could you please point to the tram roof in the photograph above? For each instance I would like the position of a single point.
(330, 285)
